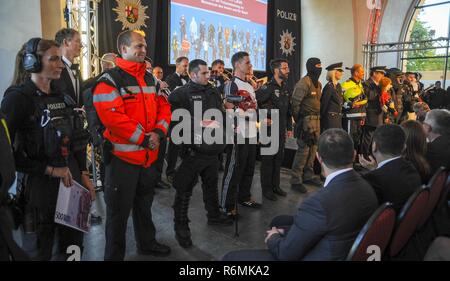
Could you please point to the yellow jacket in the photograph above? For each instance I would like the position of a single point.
(354, 93)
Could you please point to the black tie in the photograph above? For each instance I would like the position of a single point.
(76, 73)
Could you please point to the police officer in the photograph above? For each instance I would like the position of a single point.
(177, 79)
(331, 101)
(355, 102)
(198, 159)
(400, 93)
(374, 112)
(8, 247)
(306, 112)
(47, 135)
(275, 96)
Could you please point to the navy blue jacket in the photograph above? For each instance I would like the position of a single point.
(327, 223)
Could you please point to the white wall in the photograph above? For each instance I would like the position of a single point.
(327, 32)
(334, 31)
(20, 20)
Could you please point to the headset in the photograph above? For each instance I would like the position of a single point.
(31, 60)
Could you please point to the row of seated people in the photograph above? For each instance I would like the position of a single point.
(327, 223)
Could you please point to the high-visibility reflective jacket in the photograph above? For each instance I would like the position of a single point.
(130, 109)
(354, 98)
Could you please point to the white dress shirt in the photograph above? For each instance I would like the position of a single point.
(335, 174)
(73, 78)
(382, 163)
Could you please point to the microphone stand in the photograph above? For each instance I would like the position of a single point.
(236, 156)
(235, 100)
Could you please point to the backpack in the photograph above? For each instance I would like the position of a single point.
(114, 77)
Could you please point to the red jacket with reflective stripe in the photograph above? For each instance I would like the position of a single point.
(130, 113)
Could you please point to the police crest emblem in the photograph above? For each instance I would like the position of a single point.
(131, 13)
(287, 43)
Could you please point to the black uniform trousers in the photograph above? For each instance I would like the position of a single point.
(271, 168)
(331, 120)
(128, 187)
(172, 157)
(186, 177)
(366, 139)
(238, 172)
(44, 196)
(355, 131)
(159, 163)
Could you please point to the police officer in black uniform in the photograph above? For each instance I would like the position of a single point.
(199, 158)
(398, 92)
(331, 101)
(177, 79)
(48, 138)
(8, 247)
(275, 96)
(374, 117)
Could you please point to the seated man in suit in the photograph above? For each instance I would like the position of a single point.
(393, 178)
(326, 223)
(437, 129)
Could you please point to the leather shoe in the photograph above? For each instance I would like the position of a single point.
(251, 204)
(270, 195)
(279, 191)
(155, 249)
(300, 188)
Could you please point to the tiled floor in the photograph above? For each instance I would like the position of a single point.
(210, 242)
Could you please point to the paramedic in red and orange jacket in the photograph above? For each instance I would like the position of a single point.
(136, 117)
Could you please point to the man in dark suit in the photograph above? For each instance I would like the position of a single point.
(437, 129)
(326, 224)
(180, 77)
(177, 79)
(70, 81)
(393, 178)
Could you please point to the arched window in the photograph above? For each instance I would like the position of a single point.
(429, 30)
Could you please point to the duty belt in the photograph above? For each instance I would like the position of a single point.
(355, 115)
(334, 113)
(312, 117)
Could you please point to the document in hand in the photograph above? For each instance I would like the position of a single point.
(73, 207)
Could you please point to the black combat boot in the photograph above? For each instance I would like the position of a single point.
(181, 220)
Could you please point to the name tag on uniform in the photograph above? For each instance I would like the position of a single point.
(313, 93)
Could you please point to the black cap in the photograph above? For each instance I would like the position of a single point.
(395, 72)
(381, 69)
(335, 66)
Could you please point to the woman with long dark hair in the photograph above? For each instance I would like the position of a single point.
(46, 133)
(416, 148)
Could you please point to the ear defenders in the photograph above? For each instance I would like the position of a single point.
(31, 60)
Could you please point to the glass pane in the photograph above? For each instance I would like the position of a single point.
(430, 23)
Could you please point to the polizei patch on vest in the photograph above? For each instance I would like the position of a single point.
(56, 106)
